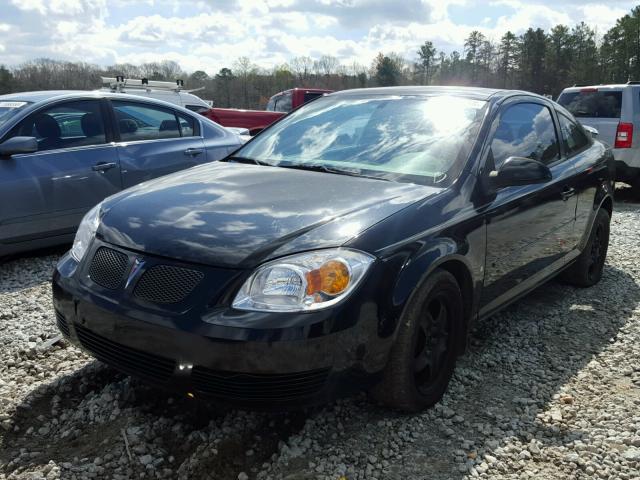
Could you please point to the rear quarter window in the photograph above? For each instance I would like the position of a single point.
(573, 137)
(592, 103)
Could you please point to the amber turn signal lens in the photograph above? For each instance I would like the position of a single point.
(331, 278)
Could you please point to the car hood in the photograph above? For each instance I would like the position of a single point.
(238, 215)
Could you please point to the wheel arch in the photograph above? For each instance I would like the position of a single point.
(603, 199)
(460, 268)
(607, 204)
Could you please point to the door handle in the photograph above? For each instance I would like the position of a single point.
(193, 151)
(103, 166)
(567, 193)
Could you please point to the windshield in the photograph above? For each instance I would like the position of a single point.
(10, 109)
(592, 103)
(417, 139)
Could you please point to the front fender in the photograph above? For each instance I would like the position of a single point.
(419, 262)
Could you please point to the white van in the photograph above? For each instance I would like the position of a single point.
(168, 91)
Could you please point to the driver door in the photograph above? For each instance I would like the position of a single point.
(529, 228)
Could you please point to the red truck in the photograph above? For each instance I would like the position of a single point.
(256, 120)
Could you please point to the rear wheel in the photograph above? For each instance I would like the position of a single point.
(587, 269)
(423, 357)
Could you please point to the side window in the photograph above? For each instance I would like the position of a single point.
(573, 137)
(67, 125)
(197, 108)
(137, 121)
(525, 130)
(308, 96)
(283, 103)
(187, 125)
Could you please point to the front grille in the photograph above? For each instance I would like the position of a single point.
(108, 267)
(258, 387)
(129, 360)
(167, 284)
(61, 322)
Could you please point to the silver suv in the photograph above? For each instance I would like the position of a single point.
(613, 110)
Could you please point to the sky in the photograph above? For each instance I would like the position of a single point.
(211, 34)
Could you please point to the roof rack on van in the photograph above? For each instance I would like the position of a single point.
(633, 82)
(119, 84)
(583, 84)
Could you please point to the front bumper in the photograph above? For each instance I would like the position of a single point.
(246, 358)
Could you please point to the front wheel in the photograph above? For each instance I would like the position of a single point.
(423, 357)
(587, 269)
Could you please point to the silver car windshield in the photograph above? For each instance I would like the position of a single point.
(9, 109)
(418, 139)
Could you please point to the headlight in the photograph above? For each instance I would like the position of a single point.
(86, 232)
(306, 281)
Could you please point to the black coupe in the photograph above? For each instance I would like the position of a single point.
(349, 246)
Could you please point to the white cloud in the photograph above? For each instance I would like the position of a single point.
(66, 7)
(601, 16)
(528, 15)
(209, 35)
(29, 5)
(68, 27)
(61, 7)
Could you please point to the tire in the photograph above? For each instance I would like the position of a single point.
(586, 271)
(409, 381)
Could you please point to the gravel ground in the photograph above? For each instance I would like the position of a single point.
(549, 389)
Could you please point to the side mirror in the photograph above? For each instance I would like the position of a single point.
(16, 145)
(592, 131)
(519, 171)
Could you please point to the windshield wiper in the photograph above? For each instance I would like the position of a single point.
(315, 167)
(312, 167)
(250, 161)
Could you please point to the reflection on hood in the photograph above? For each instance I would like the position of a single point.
(229, 214)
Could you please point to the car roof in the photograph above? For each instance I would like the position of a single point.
(309, 89)
(470, 92)
(48, 95)
(39, 96)
(185, 95)
(617, 86)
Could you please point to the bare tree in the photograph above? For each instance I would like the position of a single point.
(302, 68)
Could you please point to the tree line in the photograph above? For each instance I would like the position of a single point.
(537, 61)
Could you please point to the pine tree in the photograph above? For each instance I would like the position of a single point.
(427, 56)
(507, 60)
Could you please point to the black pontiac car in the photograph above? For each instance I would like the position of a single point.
(351, 245)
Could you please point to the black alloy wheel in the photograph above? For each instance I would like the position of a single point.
(434, 344)
(423, 357)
